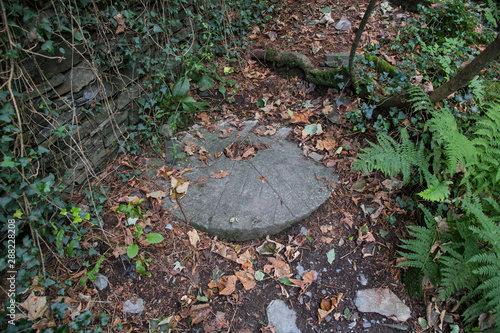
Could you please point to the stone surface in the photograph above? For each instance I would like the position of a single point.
(382, 301)
(260, 196)
(282, 317)
(134, 307)
(343, 24)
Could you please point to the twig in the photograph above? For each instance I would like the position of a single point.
(182, 209)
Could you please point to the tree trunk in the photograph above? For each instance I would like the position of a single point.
(354, 46)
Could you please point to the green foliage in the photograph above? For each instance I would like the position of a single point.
(457, 161)
(391, 157)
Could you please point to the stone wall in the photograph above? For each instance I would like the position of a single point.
(93, 103)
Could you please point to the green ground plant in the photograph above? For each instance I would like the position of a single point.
(458, 166)
(30, 191)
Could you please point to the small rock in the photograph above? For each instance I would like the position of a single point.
(382, 301)
(304, 231)
(362, 279)
(282, 317)
(315, 156)
(366, 324)
(343, 24)
(100, 281)
(137, 307)
(169, 227)
(351, 325)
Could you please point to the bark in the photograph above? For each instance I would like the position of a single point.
(361, 28)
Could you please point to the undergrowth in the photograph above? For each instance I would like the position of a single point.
(141, 43)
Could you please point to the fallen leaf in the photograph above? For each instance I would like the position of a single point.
(300, 117)
(189, 148)
(316, 46)
(36, 306)
(199, 313)
(226, 133)
(204, 116)
(217, 324)
(326, 144)
(328, 304)
(157, 194)
(227, 285)
(347, 219)
(281, 268)
(164, 172)
(179, 188)
(326, 228)
(246, 278)
(272, 36)
(270, 247)
(224, 251)
(121, 23)
(193, 237)
(220, 174)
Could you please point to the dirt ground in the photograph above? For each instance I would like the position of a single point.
(191, 282)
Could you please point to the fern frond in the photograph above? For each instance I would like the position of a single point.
(420, 99)
(456, 274)
(419, 252)
(391, 157)
(436, 192)
(457, 147)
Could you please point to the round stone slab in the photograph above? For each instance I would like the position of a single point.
(260, 196)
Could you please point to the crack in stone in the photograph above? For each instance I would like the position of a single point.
(274, 190)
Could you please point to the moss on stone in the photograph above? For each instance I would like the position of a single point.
(381, 65)
(271, 55)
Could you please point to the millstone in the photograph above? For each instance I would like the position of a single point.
(259, 196)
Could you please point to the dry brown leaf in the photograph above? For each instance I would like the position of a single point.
(246, 278)
(364, 236)
(220, 174)
(164, 172)
(301, 117)
(179, 188)
(217, 324)
(326, 144)
(246, 259)
(224, 251)
(128, 237)
(189, 148)
(326, 228)
(327, 109)
(119, 251)
(328, 304)
(193, 237)
(157, 194)
(227, 285)
(347, 219)
(281, 268)
(226, 133)
(121, 23)
(199, 312)
(203, 159)
(272, 36)
(36, 306)
(307, 279)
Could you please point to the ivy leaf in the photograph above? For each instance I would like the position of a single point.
(154, 238)
(205, 82)
(8, 162)
(222, 90)
(181, 87)
(132, 250)
(48, 46)
(157, 29)
(6, 112)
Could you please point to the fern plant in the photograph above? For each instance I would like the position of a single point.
(459, 164)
